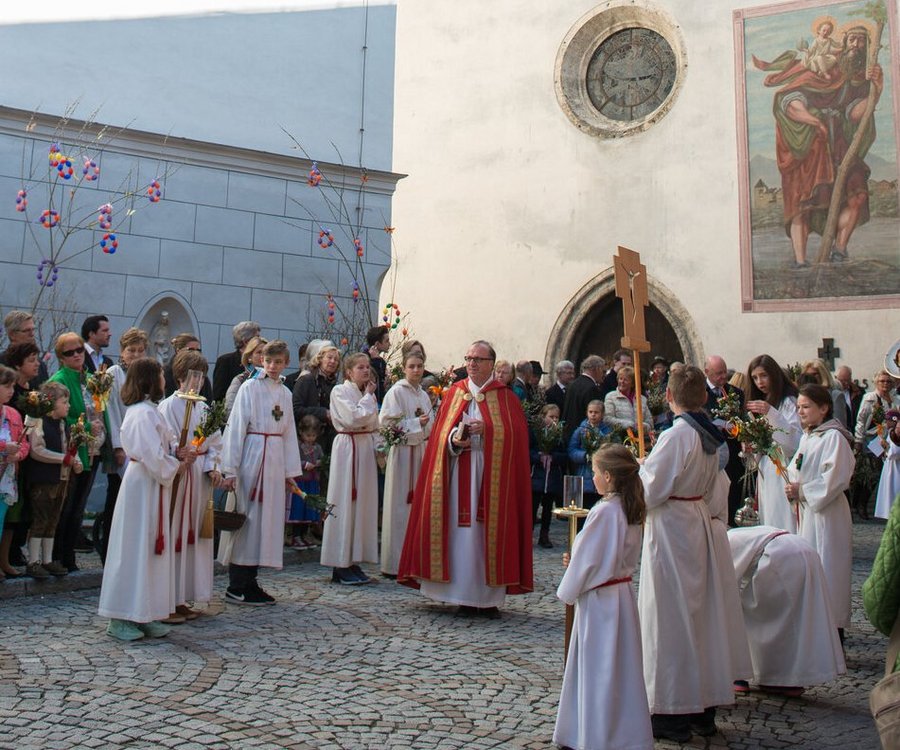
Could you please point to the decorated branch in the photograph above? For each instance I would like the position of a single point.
(99, 384)
(391, 434)
(35, 404)
(213, 421)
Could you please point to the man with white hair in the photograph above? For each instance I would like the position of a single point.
(229, 365)
(522, 384)
(717, 386)
(20, 329)
(556, 393)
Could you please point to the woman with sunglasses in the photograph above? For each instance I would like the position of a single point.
(70, 352)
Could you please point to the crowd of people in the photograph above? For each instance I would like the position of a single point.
(441, 479)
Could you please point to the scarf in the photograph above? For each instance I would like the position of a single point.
(711, 440)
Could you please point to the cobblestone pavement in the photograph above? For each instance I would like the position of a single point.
(355, 667)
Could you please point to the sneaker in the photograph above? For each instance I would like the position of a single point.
(154, 629)
(311, 542)
(56, 569)
(299, 543)
(38, 571)
(671, 727)
(124, 630)
(264, 595)
(741, 686)
(248, 598)
(360, 576)
(345, 577)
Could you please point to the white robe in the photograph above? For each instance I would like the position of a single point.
(603, 703)
(889, 484)
(403, 463)
(687, 601)
(350, 535)
(260, 486)
(774, 508)
(467, 585)
(825, 520)
(192, 566)
(115, 411)
(786, 608)
(137, 583)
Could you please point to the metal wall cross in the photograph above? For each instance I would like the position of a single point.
(828, 352)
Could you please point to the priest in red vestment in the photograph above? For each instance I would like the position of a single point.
(468, 541)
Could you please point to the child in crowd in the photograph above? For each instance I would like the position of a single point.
(47, 473)
(192, 557)
(13, 450)
(259, 456)
(583, 444)
(408, 407)
(351, 534)
(603, 703)
(137, 579)
(301, 517)
(548, 464)
(132, 346)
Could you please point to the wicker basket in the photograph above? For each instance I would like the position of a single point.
(228, 520)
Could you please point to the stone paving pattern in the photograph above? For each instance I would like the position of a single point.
(356, 667)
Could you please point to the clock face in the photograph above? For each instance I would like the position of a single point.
(631, 74)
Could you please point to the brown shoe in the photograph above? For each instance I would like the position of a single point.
(174, 619)
(186, 612)
(56, 569)
(37, 571)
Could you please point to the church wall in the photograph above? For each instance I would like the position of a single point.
(509, 210)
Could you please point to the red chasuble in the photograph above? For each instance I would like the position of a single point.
(504, 502)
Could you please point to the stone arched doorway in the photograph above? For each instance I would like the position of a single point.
(591, 323)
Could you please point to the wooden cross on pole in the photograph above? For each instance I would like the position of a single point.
(631, 288)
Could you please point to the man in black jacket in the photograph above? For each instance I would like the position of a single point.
(228, 365)
(96, 332)
(717, 386)
(584, 389)
(556, 393)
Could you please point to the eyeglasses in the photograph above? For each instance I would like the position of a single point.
(476, 360)
(73, 352)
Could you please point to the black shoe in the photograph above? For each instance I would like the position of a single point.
(264, 595)
(671, 727)
(345, 577)
(492, 613)
(389, 576)
(360, 576)
(72, 567)
(545, 542)
(248, 598)
(84, 544)
(16, 558)
(464, 610)
(704, 723)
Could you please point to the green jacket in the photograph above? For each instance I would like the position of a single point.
(74, 381)
(881, 591)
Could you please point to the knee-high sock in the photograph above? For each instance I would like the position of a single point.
(34, 549)
(47, 549)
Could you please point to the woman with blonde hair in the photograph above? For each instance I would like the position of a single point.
(251, 359)
(816, 372)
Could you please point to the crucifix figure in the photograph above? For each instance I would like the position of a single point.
(828, 353)
(277, 413)
(631, 287)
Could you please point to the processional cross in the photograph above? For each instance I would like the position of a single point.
(631, 288)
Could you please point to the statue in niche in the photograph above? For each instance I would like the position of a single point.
(161, 340)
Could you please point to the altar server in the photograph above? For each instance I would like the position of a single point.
(603, 704)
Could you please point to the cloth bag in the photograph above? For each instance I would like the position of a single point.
(884, 700)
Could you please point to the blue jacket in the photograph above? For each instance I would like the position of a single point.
(581, 465)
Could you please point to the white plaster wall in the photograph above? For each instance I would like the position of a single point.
(508, 209)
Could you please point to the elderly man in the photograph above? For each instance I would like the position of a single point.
(852, 394)
(584, 389)
(468, 541)
(521, 385)
(20, 329)
(717, 386)
(556, 393)
(228, 365)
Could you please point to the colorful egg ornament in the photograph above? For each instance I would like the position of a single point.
(326, 238)
(315, 176)
(49, 218)
(105, 216)
(386, 316)
(54, 155)
(109, 244)
(21, 201)
(154, 191)
(357, 243)
(52, 273)
(64, 168)
(355, 286)
(91, 171)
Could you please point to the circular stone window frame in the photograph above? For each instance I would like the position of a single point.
(578, 48)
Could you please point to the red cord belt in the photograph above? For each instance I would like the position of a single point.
(612, 582)
(353, 458)
(258, 484)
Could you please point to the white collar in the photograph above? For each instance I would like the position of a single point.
(476, 389)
